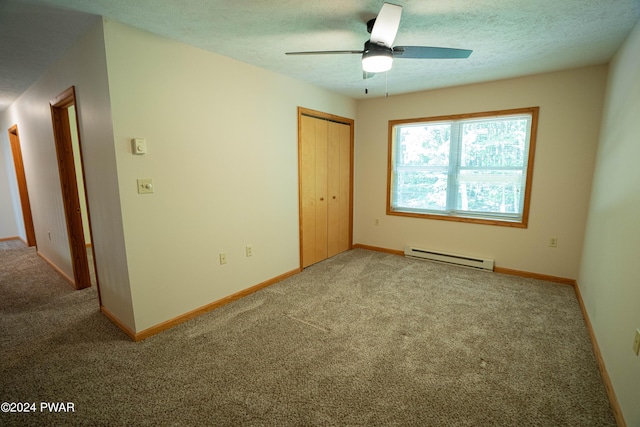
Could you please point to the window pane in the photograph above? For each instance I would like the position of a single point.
(421, 189)
(490, 191)
(424, 145)
(494, 143)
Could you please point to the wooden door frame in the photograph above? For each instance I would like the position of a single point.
(338, 119)
(25, 204)
(69, 186)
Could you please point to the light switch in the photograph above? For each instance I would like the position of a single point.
(139, 146)
(145, 186)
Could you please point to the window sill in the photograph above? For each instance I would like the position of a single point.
(467, 219)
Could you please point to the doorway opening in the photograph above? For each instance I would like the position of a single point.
(64, 115)
(21, 178)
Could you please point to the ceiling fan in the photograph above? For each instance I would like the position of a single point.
(378, 53)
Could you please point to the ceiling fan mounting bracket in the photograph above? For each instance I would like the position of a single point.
(370, 24)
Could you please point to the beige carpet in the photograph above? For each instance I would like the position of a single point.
(364, 338)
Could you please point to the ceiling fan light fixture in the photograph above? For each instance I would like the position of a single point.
(377, 61)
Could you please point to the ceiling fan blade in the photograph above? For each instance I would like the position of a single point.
(325, 52)
(386, 26)
(426, 52)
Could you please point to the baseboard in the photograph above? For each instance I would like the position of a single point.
(7, 239)
(56, 268)
(546, 277)
(118, 323)
(613, 400)
(378, 249)
(207, 308)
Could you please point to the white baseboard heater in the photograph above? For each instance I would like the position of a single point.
(463, 260)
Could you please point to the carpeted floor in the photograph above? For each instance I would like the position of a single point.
(364, 338)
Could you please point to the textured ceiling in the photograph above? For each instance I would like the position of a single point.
(509, 38)
(32, 37)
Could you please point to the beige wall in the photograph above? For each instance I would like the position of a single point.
(11, 224)
(222, 153)
(84, 67)
(609, 271)
(570, 108)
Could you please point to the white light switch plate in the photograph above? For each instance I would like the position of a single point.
(145, 186)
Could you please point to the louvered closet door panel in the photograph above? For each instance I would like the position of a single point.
(338, 181)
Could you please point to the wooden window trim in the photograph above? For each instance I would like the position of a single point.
(534, 111)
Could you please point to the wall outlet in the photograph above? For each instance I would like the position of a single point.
(376, 222)
(636, 343)
(553, 242)
(223, 258)
(249, 250)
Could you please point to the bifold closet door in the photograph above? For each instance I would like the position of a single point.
(313, 154)
(325, 168)
(338, 186)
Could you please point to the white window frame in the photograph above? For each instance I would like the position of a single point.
(453, 169)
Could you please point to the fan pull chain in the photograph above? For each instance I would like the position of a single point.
(386, 84)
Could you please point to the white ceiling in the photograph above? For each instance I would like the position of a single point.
(509, 38)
